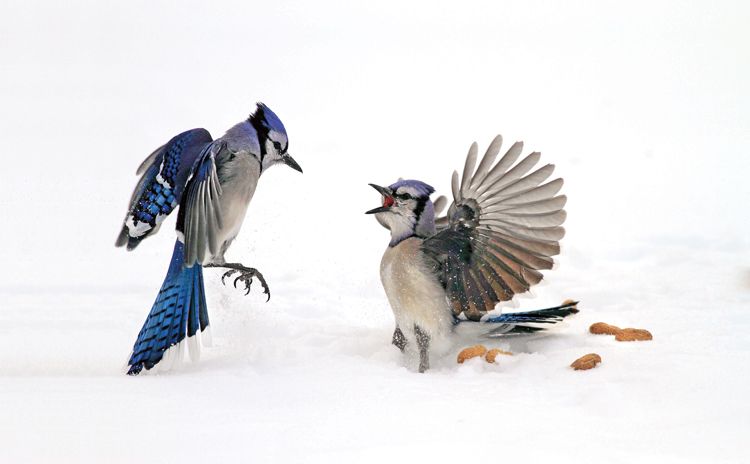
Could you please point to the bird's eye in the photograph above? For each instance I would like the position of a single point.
(277, 145)
(387, 202)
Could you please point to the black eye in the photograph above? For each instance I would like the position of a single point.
(277, 145)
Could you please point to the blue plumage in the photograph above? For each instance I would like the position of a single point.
(212, 183)
(268, 119)
(418, 187)
(159, 191)
(510, 323)
(179, 309)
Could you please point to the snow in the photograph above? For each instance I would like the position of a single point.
(643, 107)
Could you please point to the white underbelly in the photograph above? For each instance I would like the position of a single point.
(236, 194)
(415, 296)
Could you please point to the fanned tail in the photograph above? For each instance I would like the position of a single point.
(526, 322)
(179, 310)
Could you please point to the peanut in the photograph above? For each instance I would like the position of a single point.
(471, 352)
(601, 328)
(492, 354)
(586, 362)
(630, 335)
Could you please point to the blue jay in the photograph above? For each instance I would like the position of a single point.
(213, 182)
(503, 228)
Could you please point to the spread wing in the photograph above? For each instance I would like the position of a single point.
(502, 229)
(164, 175)
(199, 218)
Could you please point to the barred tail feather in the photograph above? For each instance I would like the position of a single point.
(179, 310)
(529, 321)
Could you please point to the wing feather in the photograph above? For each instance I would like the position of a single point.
(527, 182)
(502, 229)
(505, 162)
(455, 187)
(515, 173)
(200, 213)
(489, 157)
(516, 253)
(541, 192)
(471, 162)
(549, 205)
(528, 219)
(164, 175)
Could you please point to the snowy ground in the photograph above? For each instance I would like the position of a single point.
(643, 107)
(312, 378)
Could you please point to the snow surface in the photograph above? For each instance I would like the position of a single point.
(643, 107)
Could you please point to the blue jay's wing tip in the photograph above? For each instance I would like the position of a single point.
(164, 174)
(125, 240)
(122, 238)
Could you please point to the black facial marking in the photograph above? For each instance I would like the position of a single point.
(258, 121)
(421, 202)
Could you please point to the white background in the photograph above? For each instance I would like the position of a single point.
(643, 106)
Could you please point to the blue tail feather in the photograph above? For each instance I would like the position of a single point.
(516, 323)
(179, 310)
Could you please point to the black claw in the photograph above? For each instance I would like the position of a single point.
(246, 275)
(227, 274)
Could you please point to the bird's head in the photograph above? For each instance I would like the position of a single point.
(272, 138)
(406, 210)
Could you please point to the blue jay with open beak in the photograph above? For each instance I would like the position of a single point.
(502, 229)
(212, 182)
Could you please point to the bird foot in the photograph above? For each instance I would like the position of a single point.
(245, 275)
(399, 339)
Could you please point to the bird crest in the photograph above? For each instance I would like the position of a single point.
(416, 188)
(264, 117)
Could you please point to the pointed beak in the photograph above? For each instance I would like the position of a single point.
(289, 161)
(386, 192)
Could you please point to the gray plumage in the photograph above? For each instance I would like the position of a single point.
(212, 182)
(500, 231)
(215, 181)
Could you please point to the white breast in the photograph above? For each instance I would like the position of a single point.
(415, 295)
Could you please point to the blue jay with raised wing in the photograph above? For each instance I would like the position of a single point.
(503, 227)
(213, 182)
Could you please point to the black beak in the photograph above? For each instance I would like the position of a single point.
(382, 190)
(379, 209)
(289, 161)
(386, 193)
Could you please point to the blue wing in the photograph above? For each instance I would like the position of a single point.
(164, 176)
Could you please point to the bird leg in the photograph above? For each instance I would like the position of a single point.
(246, 275)
(398, 339)
(423, 342)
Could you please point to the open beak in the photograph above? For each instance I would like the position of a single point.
(289, 161)
(386, 192)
